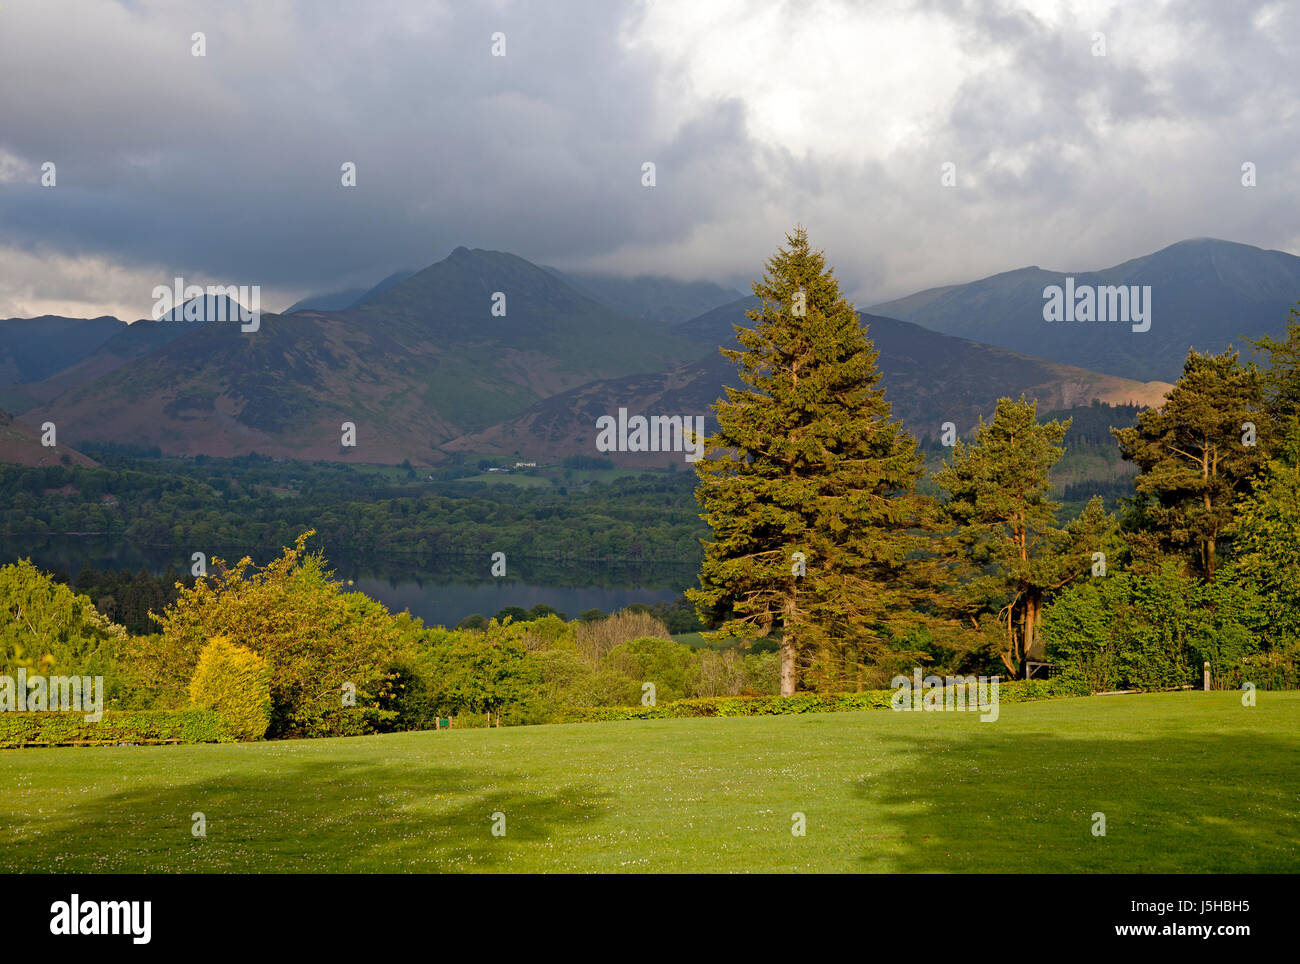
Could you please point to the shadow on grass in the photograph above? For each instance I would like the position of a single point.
(303, 816)
(988, 802)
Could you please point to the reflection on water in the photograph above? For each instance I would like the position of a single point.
(439, 590)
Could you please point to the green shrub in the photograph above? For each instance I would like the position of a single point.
(1277, 669)
(662, 662)
(353, 721)
(116, 726)
(315, 637)
(1151, 630)
(236, 683)
(763, 670)
(46, 625)
(604, 687)
(405, 700)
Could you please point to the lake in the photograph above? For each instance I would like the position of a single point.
(439, 590)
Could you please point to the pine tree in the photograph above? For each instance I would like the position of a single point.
(1280, 383)
(1266, 524)
(1266, 543)
(1197, 454)
(1010, 554)
(808, 486)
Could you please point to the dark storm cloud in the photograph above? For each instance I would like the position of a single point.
(230, 163)
(227, 167)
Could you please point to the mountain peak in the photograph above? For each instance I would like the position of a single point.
(206, 308)
(1207, 292)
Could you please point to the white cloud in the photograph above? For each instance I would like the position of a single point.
(51, 283)
(839, 80)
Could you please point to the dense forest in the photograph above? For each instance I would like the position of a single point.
(580, 510)
(253, 502)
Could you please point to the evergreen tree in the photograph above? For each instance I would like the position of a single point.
(1196, 456)
(1266, 542)
(1010, 555)
(808, 486)
(1280, 382)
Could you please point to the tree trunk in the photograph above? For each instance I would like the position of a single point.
(1031, 630)
(1009, 657)
(789, 672)
(788, 679)
(787, 665)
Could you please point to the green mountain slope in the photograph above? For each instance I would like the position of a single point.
(929, 378)
(421, 363)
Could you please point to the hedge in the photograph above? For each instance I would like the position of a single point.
(1009, 691)
(117, 726)
(1278, 669)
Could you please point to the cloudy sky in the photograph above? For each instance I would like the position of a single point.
(226, 168)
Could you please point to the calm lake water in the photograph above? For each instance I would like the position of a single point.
(439, 590)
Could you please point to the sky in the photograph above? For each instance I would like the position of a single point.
(1077, 134)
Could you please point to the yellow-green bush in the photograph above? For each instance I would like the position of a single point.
(236, 683)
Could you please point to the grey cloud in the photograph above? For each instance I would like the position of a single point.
(228, 166)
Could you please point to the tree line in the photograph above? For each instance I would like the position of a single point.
(206, 504)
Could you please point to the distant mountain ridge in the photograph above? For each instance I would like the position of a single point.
(1205, 294)
(929, 378)
(654, 298)
(485, 352)
(350, 298)
(421, 363)
(35, 348)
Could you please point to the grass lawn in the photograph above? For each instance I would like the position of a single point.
(1188, 782)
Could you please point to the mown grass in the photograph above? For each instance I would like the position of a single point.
(1187, 782)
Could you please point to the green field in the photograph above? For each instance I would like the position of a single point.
(1188, 782)
(510, 478)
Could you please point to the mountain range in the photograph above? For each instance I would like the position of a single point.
(929, 379)
(1205, 294)
(486, 353)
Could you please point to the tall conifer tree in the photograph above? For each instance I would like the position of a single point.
(1280, 384)
(1196, 455)
(808, 485)
(1011, 555)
